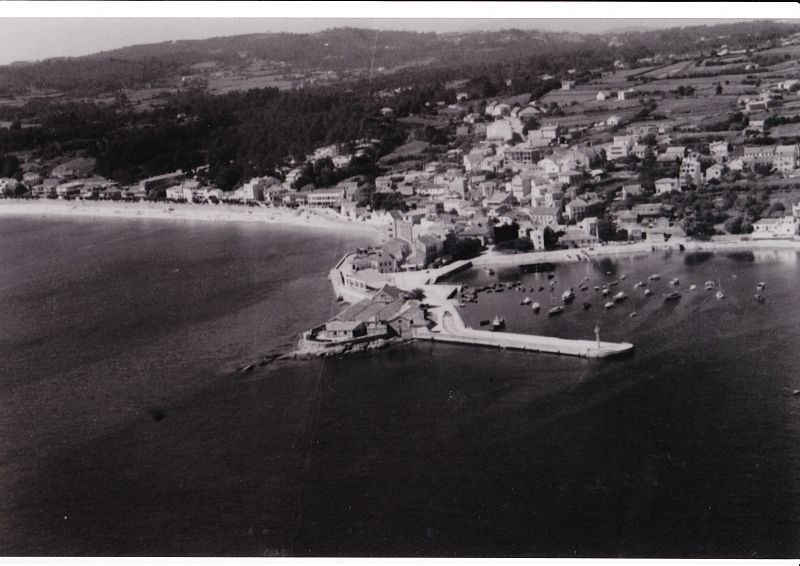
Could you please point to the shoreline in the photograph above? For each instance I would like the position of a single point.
(492, 259)
(308, 218)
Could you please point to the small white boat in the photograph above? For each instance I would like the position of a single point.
(568, 296)
(647, 292)
(692, 287)
(720, 295)
(654, 277)
(536, 307)
(761, 286)
(606, 292)
(623, 276)
(709, 286)
(526, 301)
(632, 315)
(498, 323)
(619, 297)
(609, 305)
(675, 282)
(555, 310)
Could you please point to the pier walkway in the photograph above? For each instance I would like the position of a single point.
(452, 329)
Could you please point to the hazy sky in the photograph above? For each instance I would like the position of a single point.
(25, 39)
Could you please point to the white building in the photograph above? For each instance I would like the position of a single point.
(620, 147)
(325, 198)
(775, 227)
(499, 130)
(667, 185)
(691, 173)
(719, 150)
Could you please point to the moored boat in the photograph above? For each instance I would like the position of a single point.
(674, 296)
(498, 323)
(555, 310)
(536, 307)
(654, 277)
(525, 301)
(647, 292)
(692, 287)
(568, 296)
(609, 304)
(619, 297)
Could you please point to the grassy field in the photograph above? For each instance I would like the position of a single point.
(706, 106)
(785, 131)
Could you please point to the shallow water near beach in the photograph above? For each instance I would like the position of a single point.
(127, 432)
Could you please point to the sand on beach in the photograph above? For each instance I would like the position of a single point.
(186, 211)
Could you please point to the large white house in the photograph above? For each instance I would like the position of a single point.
(775, 227)
(325, 198)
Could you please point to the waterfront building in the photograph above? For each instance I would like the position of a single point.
(784, 227)
(162, 181)
(325, 198)
(341, 330)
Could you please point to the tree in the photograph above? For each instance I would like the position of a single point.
(607, 230)
(462, 248)
(763, 169)
(550, 237)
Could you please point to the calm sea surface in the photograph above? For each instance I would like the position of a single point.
(125, 430)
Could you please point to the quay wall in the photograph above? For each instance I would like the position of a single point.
(531, 343)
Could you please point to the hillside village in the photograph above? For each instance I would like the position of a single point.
(655, 149)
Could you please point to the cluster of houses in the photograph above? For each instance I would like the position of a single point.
(524, 172)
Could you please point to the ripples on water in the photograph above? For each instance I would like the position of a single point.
(127, 434)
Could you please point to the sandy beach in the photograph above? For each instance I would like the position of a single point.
(323, 219)
(308, 218)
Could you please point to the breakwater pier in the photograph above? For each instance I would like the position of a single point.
(451, 329)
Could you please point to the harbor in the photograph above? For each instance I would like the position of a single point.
(415, 305)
